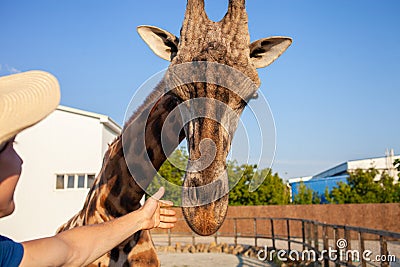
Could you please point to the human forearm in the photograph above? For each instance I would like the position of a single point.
(83, 245)
(95, 240)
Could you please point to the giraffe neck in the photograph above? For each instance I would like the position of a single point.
(135, 157)
(132, 160)
(129, 165)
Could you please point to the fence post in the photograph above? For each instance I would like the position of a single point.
(288, 233)
(169, 237)
(316, 243)
(384, 251)
(216, 237)
(303, 234)
(336, 238)
(309, 237)
(255, 231)
(362, 248)
(193, 239)
(347, 237)
(325, 243)
(273, 234)
(235, 230)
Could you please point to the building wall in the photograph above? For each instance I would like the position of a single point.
(108, 135)
(63, 143)
(319, 185)
(380, 164)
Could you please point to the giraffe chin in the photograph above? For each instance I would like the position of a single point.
(206, 219)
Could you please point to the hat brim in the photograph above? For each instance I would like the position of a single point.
(25, 99)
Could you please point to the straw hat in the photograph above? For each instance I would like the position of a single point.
(25, 99)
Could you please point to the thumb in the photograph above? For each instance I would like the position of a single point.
(152, 203)
(158, 195)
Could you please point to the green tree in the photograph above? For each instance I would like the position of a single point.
(340, 194)
(239, 179)
(388, 190)
(327, 195)
(361, 187)
(272, 191)
(304, 195)
(316, 198)
(170, 176)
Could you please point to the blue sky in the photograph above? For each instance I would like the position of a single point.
(333, 94)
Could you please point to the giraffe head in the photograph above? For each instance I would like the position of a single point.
(212, 51)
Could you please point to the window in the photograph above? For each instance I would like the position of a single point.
(74, 181)
(71, 181)
(60, 182)
(81, 181)
(90, 182)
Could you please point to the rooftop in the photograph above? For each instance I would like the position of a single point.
(107, 121)
(379, 163)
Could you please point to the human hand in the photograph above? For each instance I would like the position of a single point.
(156, 212)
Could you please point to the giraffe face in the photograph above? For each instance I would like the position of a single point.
(213, 58)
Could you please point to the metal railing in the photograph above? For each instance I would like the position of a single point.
(308, 235)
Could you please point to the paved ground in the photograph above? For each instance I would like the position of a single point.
(207, 259)
(221, 259)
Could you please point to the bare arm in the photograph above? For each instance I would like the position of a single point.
(83, 245)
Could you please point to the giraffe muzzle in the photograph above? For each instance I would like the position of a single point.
(204, 205)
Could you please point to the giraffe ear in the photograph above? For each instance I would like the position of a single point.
(164, 44)
(264, 51)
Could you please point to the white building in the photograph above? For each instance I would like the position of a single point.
(381, 164)
(340, 173)
(62, 155)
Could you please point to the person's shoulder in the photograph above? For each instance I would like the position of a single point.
(11, 252)
(3, 238)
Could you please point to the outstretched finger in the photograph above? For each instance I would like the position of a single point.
(164, 225)
(167, 219)
(166, 203)
(168, 212)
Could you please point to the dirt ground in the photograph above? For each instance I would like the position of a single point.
(222, 259)
(207, 259)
